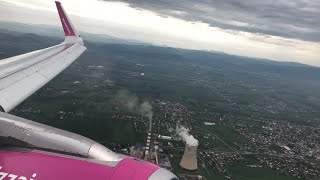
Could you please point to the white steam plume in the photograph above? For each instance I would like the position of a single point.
(146, 110)
(127, 99)
(185, 136)
(131, 102)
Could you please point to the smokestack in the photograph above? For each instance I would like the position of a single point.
(189, 158)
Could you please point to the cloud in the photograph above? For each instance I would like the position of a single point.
(244, 28)
(297, 19)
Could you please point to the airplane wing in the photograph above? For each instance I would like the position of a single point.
(38, 151)
(22, 75)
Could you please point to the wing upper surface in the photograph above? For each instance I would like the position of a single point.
(21, 76)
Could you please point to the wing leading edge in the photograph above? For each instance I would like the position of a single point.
(21, 76)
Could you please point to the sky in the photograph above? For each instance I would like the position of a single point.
(282, 30)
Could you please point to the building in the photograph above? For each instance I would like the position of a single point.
(164, 137)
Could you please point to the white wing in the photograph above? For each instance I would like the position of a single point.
(21, 76)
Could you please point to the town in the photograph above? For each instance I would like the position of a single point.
(245, 123)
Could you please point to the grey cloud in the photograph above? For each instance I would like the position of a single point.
(297, 19)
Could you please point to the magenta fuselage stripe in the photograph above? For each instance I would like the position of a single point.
(53, 167)
(68, 31)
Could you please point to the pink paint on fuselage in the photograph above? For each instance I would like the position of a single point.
(51, 167)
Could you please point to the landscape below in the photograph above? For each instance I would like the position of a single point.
(264, 114)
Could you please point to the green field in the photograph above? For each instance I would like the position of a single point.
(215, 87)
(220, 137)
(256, 173)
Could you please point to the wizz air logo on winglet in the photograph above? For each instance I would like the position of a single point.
(8, 176)
(66, 25)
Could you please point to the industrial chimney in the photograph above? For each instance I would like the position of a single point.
(189, 158)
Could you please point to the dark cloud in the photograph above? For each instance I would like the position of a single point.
(298, 19)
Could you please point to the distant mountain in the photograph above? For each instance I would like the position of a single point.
(279, 63)
(240, 60)
(102, 38)
(53, 31)
(13, 28)
(43, 30)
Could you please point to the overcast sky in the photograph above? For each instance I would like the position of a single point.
(284, 30)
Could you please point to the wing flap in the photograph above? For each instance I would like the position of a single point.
(18, 92)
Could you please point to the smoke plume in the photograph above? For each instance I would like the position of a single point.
(128, 100)
(185, 136)
(131, 102)
(146, 110)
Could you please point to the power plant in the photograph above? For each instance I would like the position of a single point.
(189, 158)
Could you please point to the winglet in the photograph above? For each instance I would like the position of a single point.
(71, 34)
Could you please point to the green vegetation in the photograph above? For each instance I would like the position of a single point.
(214, 87)
(228, 135)
(220, 137)
(241, 172)
(250, 169)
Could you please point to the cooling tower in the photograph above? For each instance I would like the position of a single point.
(189, 158)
